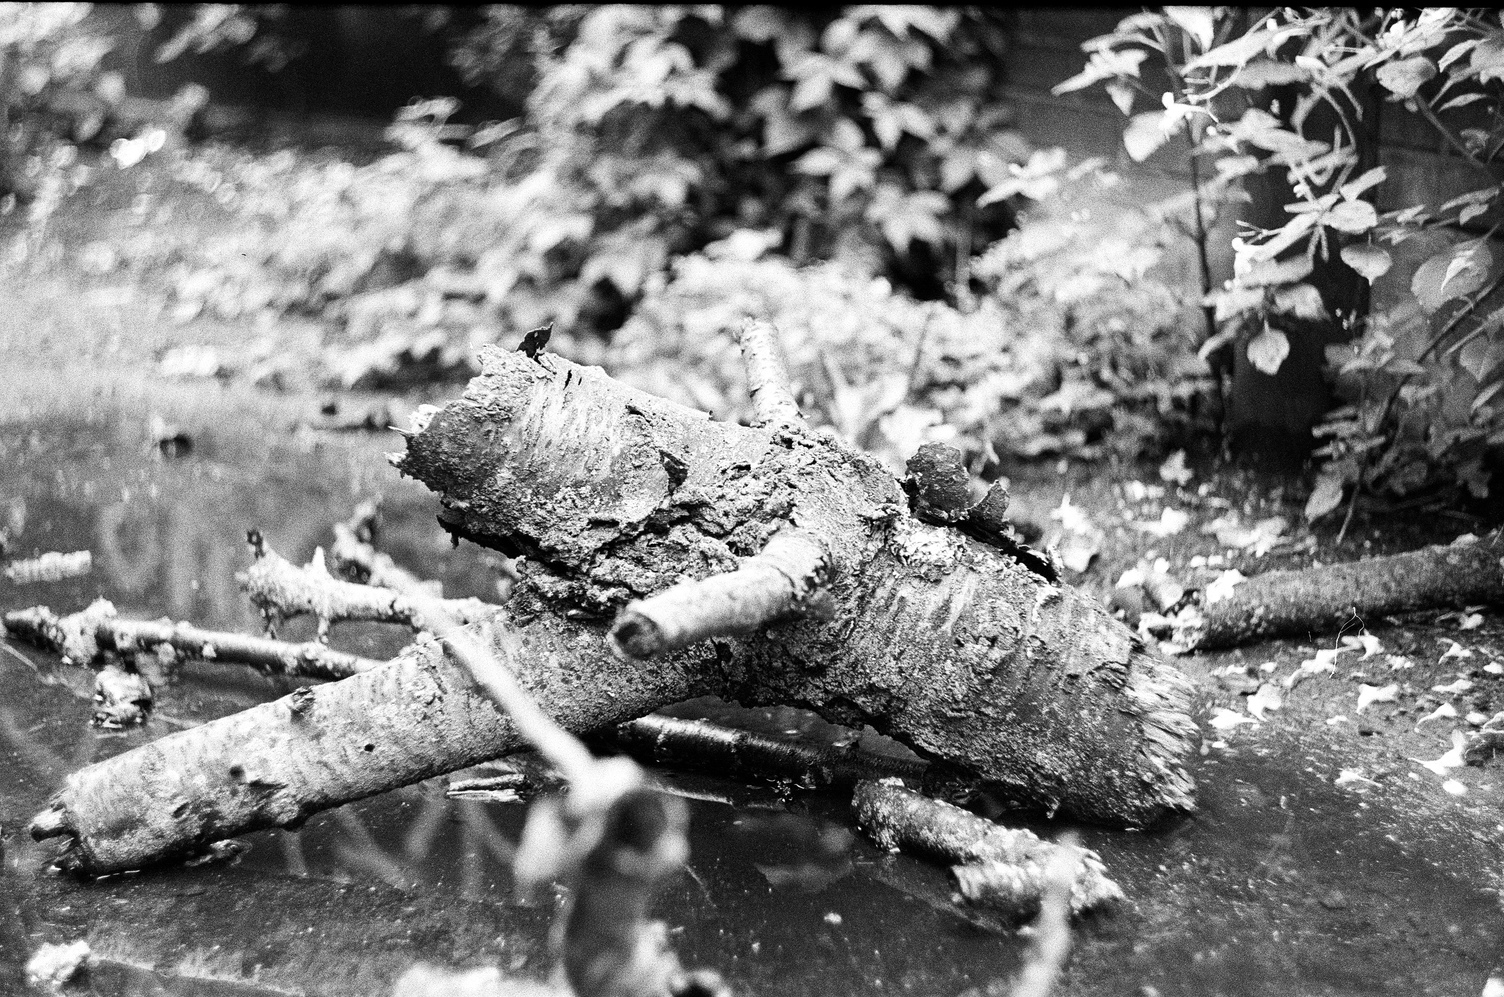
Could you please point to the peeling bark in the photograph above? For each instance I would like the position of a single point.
(1317, 600)
(1004, 869)
(612, 495)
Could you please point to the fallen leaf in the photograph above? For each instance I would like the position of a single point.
(1174, 470)
(1456, 688)
(1456, 651)
(1494, 668)
(1398, 661)
(1227, 719)
(1266, 698)
(1347, 776)
(1339, 719)
(1368, 642)
(1170, 522)
(1448, 761)
(1261, 537)
(1471, 621)
(1323, 663)
(1369, 694)
(1454, 787)
(1446, 711)
(1221, 587)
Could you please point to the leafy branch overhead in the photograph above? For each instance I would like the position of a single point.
(1425, 367)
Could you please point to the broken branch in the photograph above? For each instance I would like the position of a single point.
(281, 589)
(87, 636)
(772, 585)
(1315, 600)
(999, 867)
(768, 382)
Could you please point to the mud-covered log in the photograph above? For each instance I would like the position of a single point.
(1312, 601)
(611, 495)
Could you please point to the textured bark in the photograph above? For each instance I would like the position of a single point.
(942, 641)
(612, 495)
(1002, 868)
(1318, 600)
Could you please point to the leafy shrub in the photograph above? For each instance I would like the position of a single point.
(48, 52)
(1424, 372)
(862, 133)
(1072, 352)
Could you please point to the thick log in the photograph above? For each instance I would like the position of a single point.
(612, 495)
(953, 646)
(1313, 601)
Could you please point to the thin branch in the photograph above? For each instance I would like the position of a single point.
(768, 382)
(85, 637)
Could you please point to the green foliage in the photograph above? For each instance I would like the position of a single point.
(50, 55)
(1076, 348)
(861, 133)
(1292, 92)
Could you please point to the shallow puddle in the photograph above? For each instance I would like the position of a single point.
(1281, 884)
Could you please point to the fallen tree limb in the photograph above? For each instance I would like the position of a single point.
(88, 636)
(614, 495)
(1004, 869)
(281, 589)
(1318, 600)
(740, 754)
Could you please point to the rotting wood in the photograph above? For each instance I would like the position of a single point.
(1005, 869)
(613, 495)
(89, 635)
(1312, 601)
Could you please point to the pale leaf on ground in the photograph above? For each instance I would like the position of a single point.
(1225, 719)
(1266, 698)
(1368, 643)
(1449, 760)
(1446, 711)
(1370, 694)
(1349, 776)
(1170, 522)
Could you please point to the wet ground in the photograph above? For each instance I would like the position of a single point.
(1324, 858)
(1284, 882)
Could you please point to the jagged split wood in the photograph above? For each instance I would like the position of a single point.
(88, 636)
(1319, 600)
(1005, 869)
(612, 496)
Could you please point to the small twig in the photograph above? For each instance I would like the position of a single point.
(768, 382)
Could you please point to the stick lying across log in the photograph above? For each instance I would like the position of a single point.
(1320, 600)
(613, 496)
